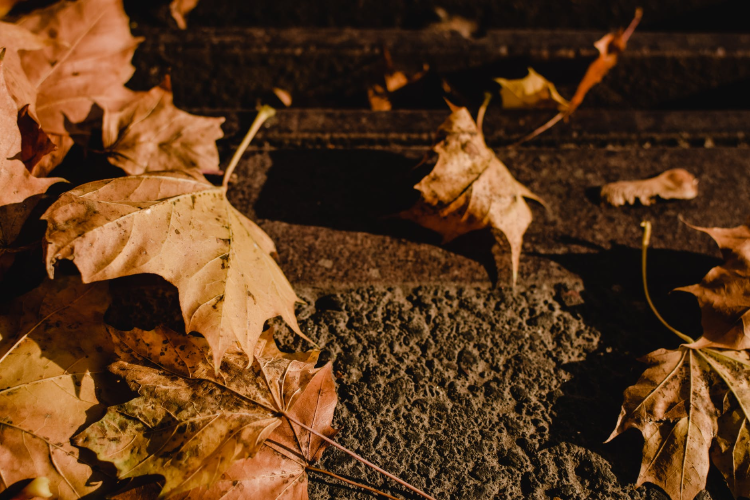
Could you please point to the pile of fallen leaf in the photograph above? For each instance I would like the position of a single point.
(216, 415)
(217, 410)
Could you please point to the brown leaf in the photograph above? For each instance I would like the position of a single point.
(54, 350)
(278, 470)
(17, 183)
(151, 134)
(35, 144)
(531, 91)
(190, 424)
(181, 227)
(181, 8)
(16, 38)
(88, 63)
(380, 95)
(674, 184)
(470, 188)
(723, 293)
(677, 404)
(610, 46)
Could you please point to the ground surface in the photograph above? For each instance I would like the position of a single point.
(446, 376)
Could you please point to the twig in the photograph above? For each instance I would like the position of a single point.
(646, 225)
(360, 459)
(482, 111)
(353, 483)
(264, 113)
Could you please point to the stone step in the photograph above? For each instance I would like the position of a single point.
(329, 208)
(222, 68)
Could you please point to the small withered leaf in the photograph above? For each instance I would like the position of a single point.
(179, 226)
(531, 91)
(150, 134)
(470, 188)
(673, 184)
(54, 350)
(190, 423)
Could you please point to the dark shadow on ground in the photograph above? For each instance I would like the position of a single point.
(614, 304)
(357, 190)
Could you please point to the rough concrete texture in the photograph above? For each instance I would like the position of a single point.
(479, 393)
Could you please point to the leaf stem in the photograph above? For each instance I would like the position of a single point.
(482, 111)
(353, 483)
(646, 225)
(264, 113)
(559, 116)
(358, 458)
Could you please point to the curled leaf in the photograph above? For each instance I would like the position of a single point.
(470, 188)
(151, 134)
(610, 46)
(531, 91)
(674, 184)
(181, 227)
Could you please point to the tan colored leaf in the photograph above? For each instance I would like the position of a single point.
(151, 134)
(470, 188)
(531, 91)
(17, 38)
(16, 181)
(181, 8)
(181, 227)
(54, 350)
(723, 293)
(674, 184)
(88, 63)
(676, 404)
(189, 423)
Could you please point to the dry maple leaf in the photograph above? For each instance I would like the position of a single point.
(189, 423)
(723, 293)
(279, 469)
(16, 181)
(687, 400)
(88, 63)
(151, 134)
(531, 91)
(181, 227)
(181, 8)
(16, 38)
(673, 184)
(54, 350)
(610, 47)
(470, 188)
